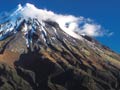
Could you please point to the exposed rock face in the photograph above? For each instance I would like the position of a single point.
(44, 57)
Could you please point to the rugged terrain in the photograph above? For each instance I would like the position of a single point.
(39, 55)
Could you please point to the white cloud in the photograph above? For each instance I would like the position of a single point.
(69, 23)
(92, 30)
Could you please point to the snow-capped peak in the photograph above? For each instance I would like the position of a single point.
(30, 11)
(68, 23)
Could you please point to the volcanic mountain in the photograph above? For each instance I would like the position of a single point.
(37, 53)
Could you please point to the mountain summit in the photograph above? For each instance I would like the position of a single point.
(40, 50)
(29, 11)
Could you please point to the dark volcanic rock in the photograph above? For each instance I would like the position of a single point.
(10, 80)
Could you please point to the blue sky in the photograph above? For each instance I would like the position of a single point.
(104, 12)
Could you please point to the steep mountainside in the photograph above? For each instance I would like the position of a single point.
(38, 54)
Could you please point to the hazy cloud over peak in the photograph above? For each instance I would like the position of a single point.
(74, 26)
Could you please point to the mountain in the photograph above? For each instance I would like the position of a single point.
(36, 53)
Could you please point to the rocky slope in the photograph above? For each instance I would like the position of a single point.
(39, 55)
